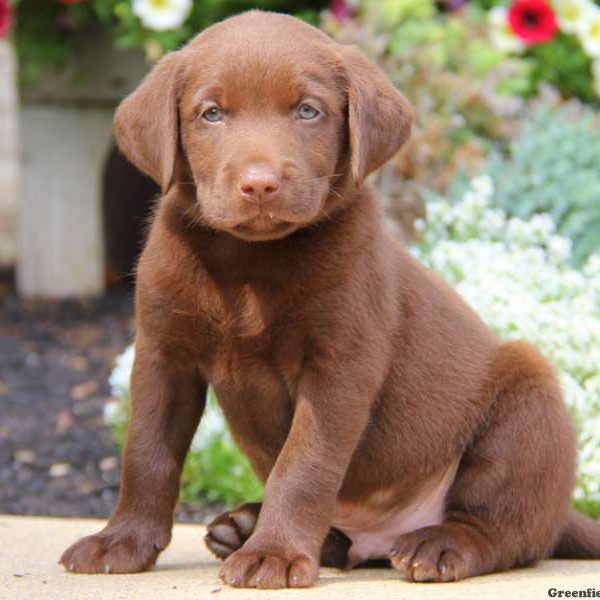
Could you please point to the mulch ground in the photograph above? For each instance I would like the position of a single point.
(57, 457)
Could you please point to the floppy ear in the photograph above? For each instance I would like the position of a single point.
(379, 116)
(146, 122)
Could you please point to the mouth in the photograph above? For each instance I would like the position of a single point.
(264, 227)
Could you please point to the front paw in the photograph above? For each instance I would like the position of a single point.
(269, 569)
(124, 548)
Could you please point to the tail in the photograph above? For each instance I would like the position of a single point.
(580, 539)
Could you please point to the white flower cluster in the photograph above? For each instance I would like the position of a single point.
(162, 15)
(115, 410)
(516, 275)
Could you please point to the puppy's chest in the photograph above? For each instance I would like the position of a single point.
(237, 332)
(241, 314)
(252, 354)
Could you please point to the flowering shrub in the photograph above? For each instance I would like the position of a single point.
(516, 275)
(561, 37)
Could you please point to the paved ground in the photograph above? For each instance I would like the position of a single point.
(30, 547)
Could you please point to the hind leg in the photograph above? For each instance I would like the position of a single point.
(231, 529)
(511, 494)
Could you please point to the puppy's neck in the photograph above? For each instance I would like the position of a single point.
(325, 246)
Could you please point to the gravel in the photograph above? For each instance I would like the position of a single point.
(56, 455)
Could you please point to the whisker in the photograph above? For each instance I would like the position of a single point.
(323, 177)
(193, 217)
(325, 214)
(333, 191)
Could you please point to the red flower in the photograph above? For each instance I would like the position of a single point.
(5, 17)
(533, 21)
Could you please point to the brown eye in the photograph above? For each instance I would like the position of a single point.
(213, 114)
(307, 112)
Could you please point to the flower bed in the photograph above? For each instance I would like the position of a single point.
(559, 38)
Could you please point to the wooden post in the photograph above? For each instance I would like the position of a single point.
(9, 154)
(66, 125)
(60, 233)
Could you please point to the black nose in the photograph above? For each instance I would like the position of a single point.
(259, 183)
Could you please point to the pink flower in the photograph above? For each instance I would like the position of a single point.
(341, 10)
(5, 17)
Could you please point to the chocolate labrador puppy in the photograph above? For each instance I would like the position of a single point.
(386, 420)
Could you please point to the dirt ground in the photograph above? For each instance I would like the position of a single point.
(56, 455)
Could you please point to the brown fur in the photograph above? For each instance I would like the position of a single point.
(347, 372)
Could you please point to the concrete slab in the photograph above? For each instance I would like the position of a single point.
(30, 547)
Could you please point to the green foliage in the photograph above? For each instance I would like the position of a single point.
(553, 167)
(564, 65)
(588, 507)
(41, 42)
(389, 13)
(216, 469)
(47, 30)
(487, 4)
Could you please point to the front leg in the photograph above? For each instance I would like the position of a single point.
(300, 493)
(166, 404)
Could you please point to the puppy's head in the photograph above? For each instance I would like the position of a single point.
(268, 118)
